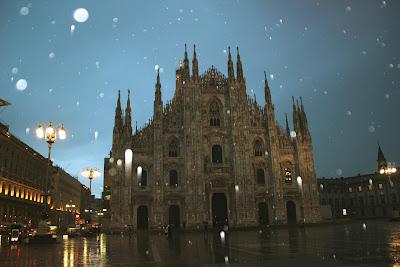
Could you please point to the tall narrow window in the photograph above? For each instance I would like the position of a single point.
(216, 154)
(260, 177)
(173, 178)
(143, 179)
(215, 117)
(258, 148)
(173, 149)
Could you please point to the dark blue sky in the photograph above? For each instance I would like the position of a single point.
(343, 57)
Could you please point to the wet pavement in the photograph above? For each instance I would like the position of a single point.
(377, 244)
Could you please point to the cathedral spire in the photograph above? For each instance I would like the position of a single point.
(382, 163)
(118, 125)
(231, 72)
(287, 125)
(157, 98)
(239, 68)
(158, 104)
(128, 117)
(186, 71)
(195, 65)
(267, 91)
(295, 118)
(118, 114)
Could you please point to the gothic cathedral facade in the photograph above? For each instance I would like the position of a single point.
(212, 156)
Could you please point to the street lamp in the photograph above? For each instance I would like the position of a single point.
(90, 173)
(49, 134)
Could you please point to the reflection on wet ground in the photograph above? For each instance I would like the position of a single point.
(331, 245)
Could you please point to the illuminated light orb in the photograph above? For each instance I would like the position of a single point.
(381, 171)
(226, 259)
(96, 135)
(321, 186)
(119, 162)
(236, 188)
(156, 67)
(299, 180)
(21, 84)
(370, 181)
(72, 28)
(52, 55)
(339, 172)
(81, 15)
(293, 134)
(111, 160)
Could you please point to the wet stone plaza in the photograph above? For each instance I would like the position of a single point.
(370, 243)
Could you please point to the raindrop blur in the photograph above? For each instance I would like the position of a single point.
(371, 129)
(101, 95)
(24, 11)
(81, 15)
(27, 131)
(72, 28)
(156, 67)
(339, 172)
(348, 8)
(96, 135)
(21, 84)
(14, 70)
(52, 55)
(115, 20)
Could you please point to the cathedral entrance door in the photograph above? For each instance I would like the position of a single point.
(142, 217)
(291, 212)
(174, 216)
(263, 217)
(219, 210)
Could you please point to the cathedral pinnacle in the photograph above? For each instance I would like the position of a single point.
(195, 67)
(239, 66)
(231, 72)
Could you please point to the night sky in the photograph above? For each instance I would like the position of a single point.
(343, 57)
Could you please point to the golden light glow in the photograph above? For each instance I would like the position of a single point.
(40, 131)
(1, 187)
(90, 173)
(12, 190)
(62, 133)
(5, 189)
(16, 191)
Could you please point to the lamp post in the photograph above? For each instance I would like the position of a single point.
(49, 134)
(90, 173)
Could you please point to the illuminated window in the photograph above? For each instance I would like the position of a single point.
(143, 179)
(12, 188)
(288, 174)
(350, 189)
(1, 187)
(370, 187)
(380, 186)
(359, 188)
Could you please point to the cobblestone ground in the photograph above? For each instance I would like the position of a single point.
(377, 244)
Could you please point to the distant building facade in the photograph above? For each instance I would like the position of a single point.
(374, 195)
(211, 155)
(22, 180)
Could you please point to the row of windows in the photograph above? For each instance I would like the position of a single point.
(361, 201)
(12, 190)
(369, 187)
(216, 151)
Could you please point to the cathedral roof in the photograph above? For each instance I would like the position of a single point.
(212, 76)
